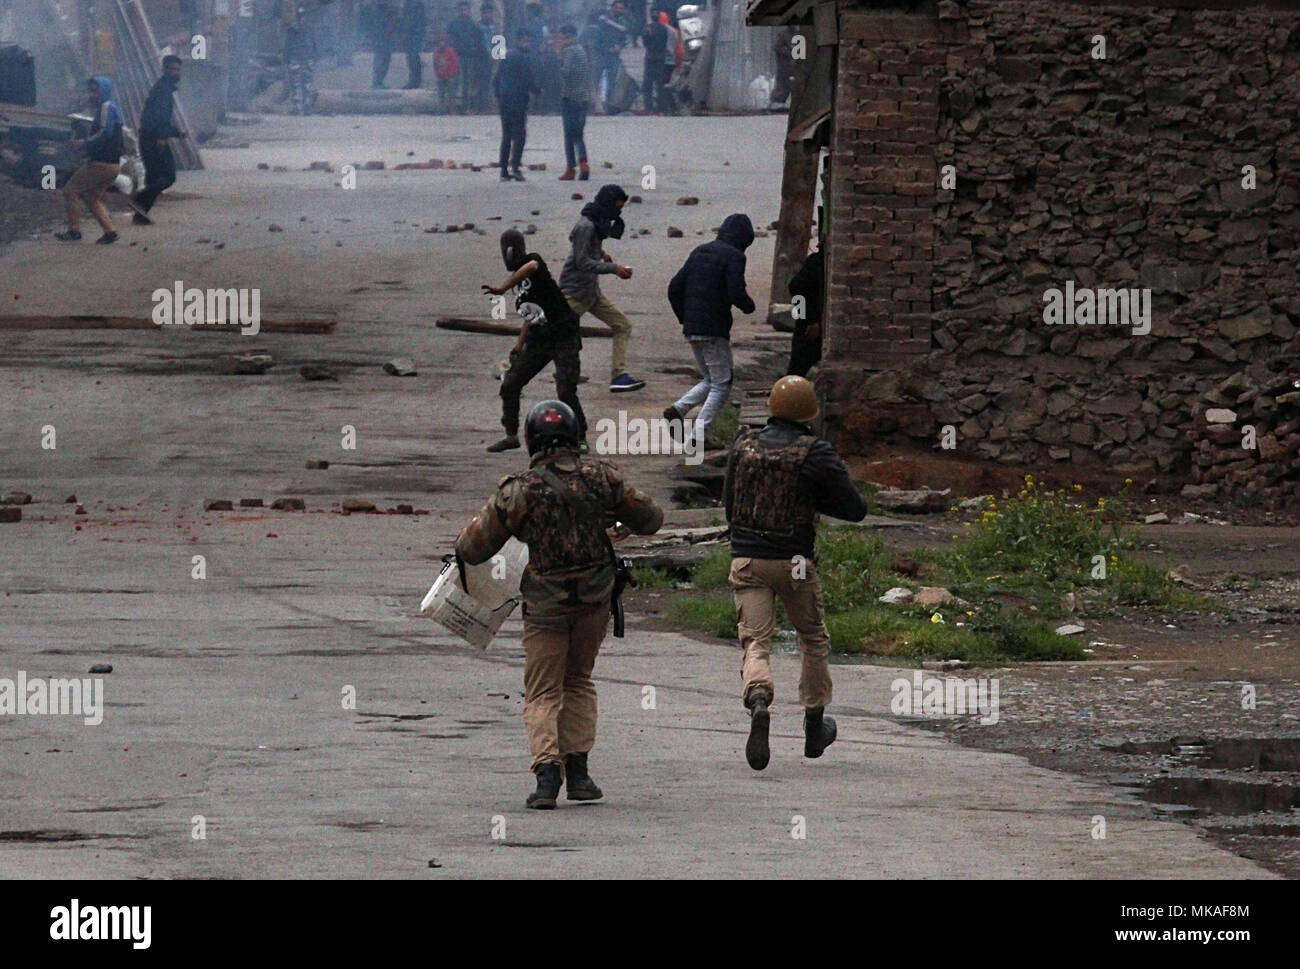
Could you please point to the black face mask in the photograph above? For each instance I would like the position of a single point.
(513, 249)
(603, 212)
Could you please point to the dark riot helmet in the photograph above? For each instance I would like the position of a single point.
(550, 423)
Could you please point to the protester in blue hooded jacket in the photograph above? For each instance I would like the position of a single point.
(702, 294)
(103, 162)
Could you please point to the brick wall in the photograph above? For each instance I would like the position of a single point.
(1116, 172)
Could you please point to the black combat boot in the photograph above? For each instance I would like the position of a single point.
(818, 731)
(577, 782)
(548, 787)
(756, 750)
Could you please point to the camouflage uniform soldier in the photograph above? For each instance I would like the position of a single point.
(560, 508)
(778, 480)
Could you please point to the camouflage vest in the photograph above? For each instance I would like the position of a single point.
(558, 540)
(765, 486)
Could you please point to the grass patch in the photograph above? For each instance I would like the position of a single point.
(725, 426)
(1013, 567)
(714, 614)
(656, 577)
(713, 571)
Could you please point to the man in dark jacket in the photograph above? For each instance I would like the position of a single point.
(655, 38)
(611, 38)
(513, 85)
(103, 163)
(381, 21)
(156, 126)
(807, 285)
(778, 480)
(473, 53)
(412, 28)
(702, 294)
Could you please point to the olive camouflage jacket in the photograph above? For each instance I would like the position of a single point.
(570, 568)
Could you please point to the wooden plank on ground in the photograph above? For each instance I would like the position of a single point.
(504, 329)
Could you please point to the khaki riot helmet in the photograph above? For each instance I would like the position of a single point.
(794, 399)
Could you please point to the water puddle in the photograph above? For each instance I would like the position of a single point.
(1263, 754)
(1209, 796)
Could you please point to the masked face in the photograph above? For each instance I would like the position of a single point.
(512, 249)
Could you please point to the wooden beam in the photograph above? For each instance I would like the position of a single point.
(505, 329)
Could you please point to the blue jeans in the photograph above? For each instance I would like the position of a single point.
(609, 65)
(713, 357)
(574, 115)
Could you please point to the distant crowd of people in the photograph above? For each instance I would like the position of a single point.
(466, 53)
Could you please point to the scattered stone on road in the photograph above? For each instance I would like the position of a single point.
(400, 367)
(246, 364)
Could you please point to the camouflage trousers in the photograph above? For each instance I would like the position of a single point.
(559, 697)
(528, 363)
(756, 584)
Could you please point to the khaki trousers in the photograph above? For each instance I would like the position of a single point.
(757, 583)
(93, 179)
(559, 697)
(609, 314)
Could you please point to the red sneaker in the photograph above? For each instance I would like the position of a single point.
(568, 175)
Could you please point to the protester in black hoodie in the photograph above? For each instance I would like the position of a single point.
(702, 295)
(549, 333)
(513, 85)
(806, 343)
(156, 126)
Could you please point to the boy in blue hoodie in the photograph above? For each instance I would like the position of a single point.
(103, 162)
(702, 294)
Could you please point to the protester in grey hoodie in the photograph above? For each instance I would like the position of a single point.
(580, 278)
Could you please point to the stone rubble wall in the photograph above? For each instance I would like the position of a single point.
(1125, 172)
